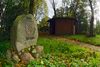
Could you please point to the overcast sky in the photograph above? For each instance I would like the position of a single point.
(50, 10)
(51, 13)
(98, 9)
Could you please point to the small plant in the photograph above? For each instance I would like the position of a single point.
(4, 46)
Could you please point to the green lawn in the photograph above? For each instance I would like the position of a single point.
(60, 54)
(91, 40)
(67, 54)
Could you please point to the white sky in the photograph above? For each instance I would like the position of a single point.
(51, 12)
(98, 10)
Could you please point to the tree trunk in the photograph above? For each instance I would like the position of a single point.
(54, 8)
(91, 29)
(31, 6)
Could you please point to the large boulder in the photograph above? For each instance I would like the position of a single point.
(24, 32)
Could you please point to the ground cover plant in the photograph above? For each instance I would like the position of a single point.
(91, 40)
(61, 54)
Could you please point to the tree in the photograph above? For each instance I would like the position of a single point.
(65, 10)
(78, 9)
(43, 24)
(15, 8)
(98, 27)
(31, 6)
(91, 29)
(12, 10)
(1, 12)
(53, 3)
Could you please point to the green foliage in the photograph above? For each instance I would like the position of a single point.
(68, 54)
(3, 48)
(97, 27)
(7, 64)
(15, 8)
(25, 5)
(55, 61)
(12, 10)
(83, 38)
(47, 61)
(43, 24)
(40, 8)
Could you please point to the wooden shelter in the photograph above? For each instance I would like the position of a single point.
(62, 26)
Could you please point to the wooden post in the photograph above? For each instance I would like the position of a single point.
(74, 29)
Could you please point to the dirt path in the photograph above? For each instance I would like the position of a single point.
(62, 38)
(96, 48)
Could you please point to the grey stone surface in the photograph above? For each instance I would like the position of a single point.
(24, 32)
(26, 57)
(39, 51)
(15, 58)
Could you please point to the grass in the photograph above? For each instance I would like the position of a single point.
(68, 54)
(82, 38)
(53, 45)
(60, 54)
(3, 48)
(4, 62)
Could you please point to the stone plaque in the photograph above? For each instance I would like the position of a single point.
(24, 32)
